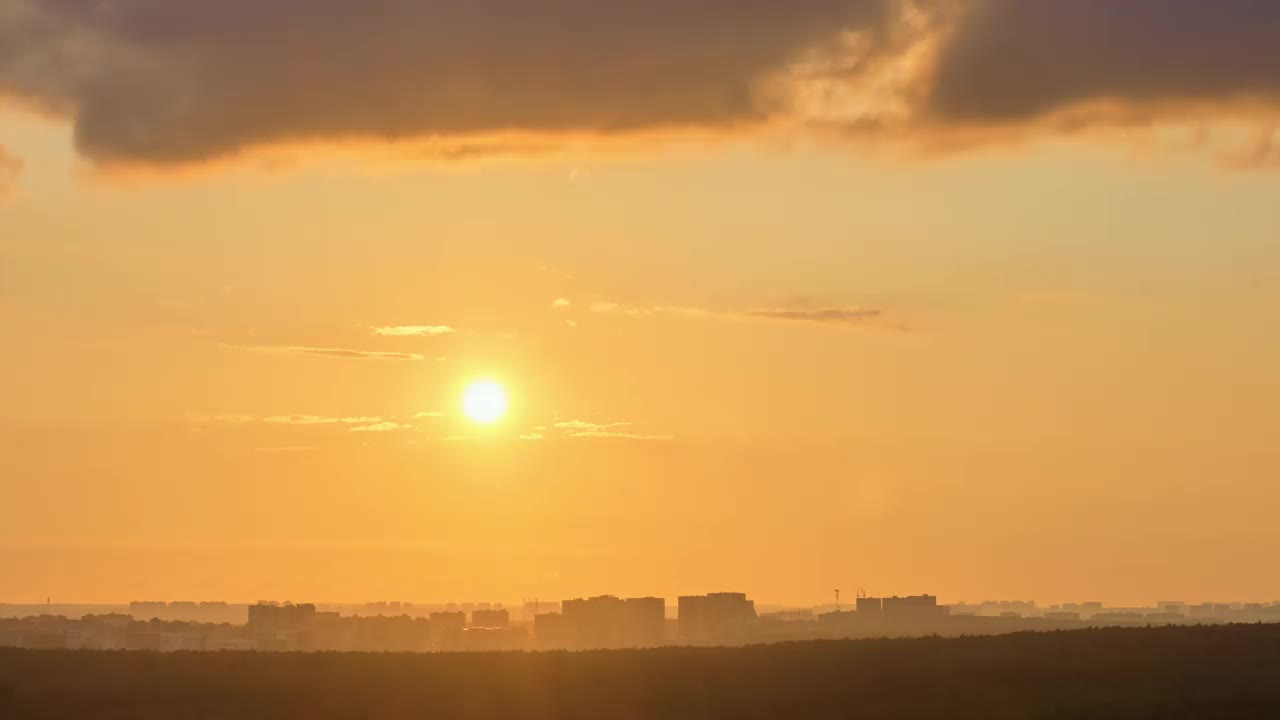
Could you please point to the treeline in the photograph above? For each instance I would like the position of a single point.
(1229, 671)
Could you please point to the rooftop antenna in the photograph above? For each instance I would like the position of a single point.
(862, 593)
(837, 599)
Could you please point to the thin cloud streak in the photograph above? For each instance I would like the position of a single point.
(604, 435)
(339, 353)
(10, 169)
(229, 419)
(381, 427)
(846, 316)
(414, 331)
(319, 420)
(588, 426)
(826, 316)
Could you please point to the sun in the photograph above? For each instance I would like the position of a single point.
(485, 402)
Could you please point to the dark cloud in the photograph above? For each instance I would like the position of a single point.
(172, 81)
(165, 82)
(1017, 60)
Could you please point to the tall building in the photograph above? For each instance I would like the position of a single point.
(610, 622)
(645, 621)
(718, 617)
(596, 622)
(271, 617)
(913, 608)
(551, 632)
(499, 619)
(869, 606)
(448, 621)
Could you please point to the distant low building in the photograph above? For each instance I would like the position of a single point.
(787, 616)
(1061, 615)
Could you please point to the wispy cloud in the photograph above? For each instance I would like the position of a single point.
(562, 303)
(339, 353)
(605, 435)
(430, 414)
(822, 315)
(414, 331)
(229, 419)
(830, 316)
(10, 169)
(557, 272)
(588, 426)
(319, 420)
(381, 428)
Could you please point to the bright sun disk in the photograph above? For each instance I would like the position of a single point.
(485, 402)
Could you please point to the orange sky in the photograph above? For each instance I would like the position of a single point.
(745, 348)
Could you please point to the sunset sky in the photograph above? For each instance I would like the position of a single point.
(969, 297)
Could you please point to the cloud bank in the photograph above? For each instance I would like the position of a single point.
(171, 81)
(167, 82)
(1015, 60)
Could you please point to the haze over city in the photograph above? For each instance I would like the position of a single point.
(447, 301)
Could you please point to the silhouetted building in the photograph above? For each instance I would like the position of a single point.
(1061, 615)
(611, 622)
(596, 622)
(718, 617)
(645, 621)
(268, 617)
(838, 617)
(868, 606)
(551, 632)
(787, 616)
(490, 619)
(446, 621)
(912, 608)
(446, 630)
(534, 608)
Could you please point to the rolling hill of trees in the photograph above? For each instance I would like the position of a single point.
(1230, 671)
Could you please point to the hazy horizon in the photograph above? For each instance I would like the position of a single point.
(335, 301)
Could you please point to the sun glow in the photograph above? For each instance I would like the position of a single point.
(485, 402)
